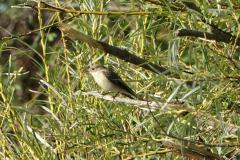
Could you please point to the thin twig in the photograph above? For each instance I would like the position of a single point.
(48, 7)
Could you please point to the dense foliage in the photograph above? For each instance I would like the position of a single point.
(48, 112)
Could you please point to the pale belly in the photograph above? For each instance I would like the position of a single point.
(103, 82)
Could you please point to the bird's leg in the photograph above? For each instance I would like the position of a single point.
(104, 93)
(114, 96)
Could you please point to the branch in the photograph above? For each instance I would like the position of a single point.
(47, 7)
(217, 36)
(201, 117)
(142, 104)
(193, 149)
(112, 50)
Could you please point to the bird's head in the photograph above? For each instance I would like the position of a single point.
(95, 68)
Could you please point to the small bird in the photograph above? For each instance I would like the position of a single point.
(110, 81)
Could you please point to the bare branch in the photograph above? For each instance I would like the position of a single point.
(145, 105)
(112, 50)
(201, 117)
(217, 36)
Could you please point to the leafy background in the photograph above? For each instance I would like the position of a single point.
(45, 114)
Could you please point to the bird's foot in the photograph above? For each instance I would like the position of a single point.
(114, 96)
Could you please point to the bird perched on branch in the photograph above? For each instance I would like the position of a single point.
(109, 80)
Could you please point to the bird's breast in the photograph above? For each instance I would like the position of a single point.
(103, 81)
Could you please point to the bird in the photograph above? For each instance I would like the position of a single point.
(109, 80)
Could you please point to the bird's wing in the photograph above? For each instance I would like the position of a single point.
(114, 78)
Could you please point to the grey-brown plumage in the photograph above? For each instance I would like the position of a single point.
(110, 81)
